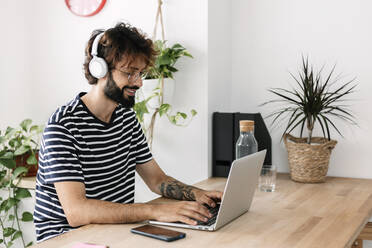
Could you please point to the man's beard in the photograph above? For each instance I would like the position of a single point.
(113, 92)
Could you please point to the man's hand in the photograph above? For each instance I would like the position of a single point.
(188, 211)
(207, 197)
(184, 211)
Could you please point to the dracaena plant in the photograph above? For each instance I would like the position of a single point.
(15, 142)
(164, 67)
(315, 99)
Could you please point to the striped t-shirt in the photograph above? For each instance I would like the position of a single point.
(77, 146)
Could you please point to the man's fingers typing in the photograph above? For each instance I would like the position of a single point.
(187, 220)
(199, 208)
(193, 215)
(210, 202)
(215, 194)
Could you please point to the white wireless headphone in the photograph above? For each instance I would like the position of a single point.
(97, 66)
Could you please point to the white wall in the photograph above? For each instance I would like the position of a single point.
(268, 38)
(15, 63)
(219, 63)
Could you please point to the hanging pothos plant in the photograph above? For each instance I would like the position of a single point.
(164, 67)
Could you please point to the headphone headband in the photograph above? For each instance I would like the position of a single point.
(94, 51)
(97, 66)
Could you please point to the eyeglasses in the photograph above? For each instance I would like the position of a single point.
(133, 76)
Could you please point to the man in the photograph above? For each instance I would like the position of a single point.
(92, 146)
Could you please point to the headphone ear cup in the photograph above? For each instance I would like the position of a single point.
(98, 67)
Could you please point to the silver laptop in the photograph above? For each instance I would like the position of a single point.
(238, 194)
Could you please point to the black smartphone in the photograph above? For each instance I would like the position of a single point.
(158, 233)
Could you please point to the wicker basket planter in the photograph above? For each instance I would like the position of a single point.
(308, 163)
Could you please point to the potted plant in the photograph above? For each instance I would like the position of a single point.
(18, 155)
(151, 98)
(316, 100)
(22, 144)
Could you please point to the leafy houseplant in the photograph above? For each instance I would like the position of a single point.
(163, 68)
(16, 145)
(315, 100)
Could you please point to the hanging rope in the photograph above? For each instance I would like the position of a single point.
(159, 16)
(150, 130)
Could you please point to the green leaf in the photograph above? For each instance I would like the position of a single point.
(34, 128)
(296, 125)
(3, 205)
(164, 60)
(2, 139)
(172, 119)
(31, 160)
(14, 143)
(8, 231)
(333, 125)
(27, 216)
(11, 202)
(302, 127)
(321, 125)
(193, 112)
(188, 54)
(164, 109)
(10, 243)
(11, 217)
(1, 241)
(327, 127)
(172, 69)
(141, 109)
(10, 132)
(22, 150)
(29, 244)
(16, 235)
(183, 115)
(22, 193)
(175, 46)
(8, 163)
(274, 91)
(25, 124)
(18, 171)
(7, 155)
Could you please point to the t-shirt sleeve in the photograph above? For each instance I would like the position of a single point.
(58, 159)
(143, 153)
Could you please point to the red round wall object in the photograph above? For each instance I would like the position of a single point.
(85, 8)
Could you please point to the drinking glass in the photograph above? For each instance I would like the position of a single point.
(267, 179)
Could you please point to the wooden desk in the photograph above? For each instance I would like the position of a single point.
(329, 215)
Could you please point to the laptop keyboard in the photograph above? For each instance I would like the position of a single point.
(212, 220)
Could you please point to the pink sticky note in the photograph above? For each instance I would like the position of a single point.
(87, 245)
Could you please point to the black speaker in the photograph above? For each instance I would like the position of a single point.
(225, 134)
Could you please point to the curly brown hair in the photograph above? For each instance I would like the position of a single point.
(121, 41)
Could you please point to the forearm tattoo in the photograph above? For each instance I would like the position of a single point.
(177, 190)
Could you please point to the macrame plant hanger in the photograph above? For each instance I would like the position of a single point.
(159, 17)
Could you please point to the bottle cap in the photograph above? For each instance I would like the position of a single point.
(246, 125)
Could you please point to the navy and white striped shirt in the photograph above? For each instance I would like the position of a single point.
(77, 146)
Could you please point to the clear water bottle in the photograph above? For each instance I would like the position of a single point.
(246, 143)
